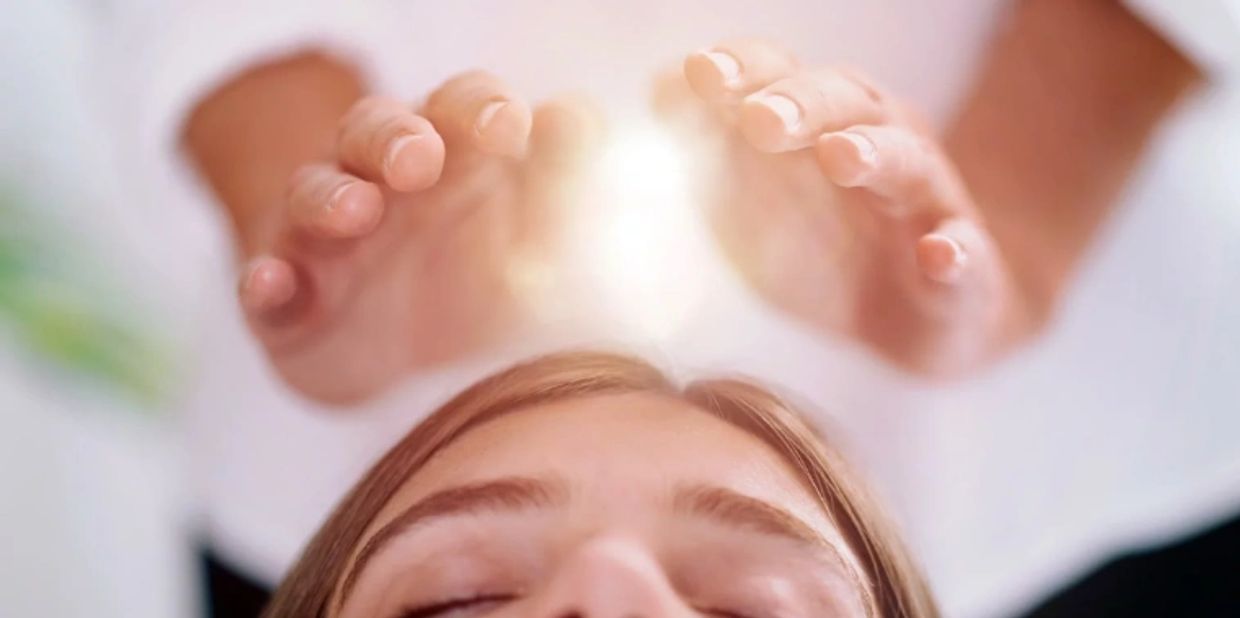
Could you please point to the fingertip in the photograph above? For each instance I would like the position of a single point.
(941, 258)
(677, 106)
(381, 140)
(770, 121)
(729, 70)
(414, 161)
(354, 209)
(712, 74)
(325, 202)
(565, 128)
(847, 158)
(503, 128)
(266, 285)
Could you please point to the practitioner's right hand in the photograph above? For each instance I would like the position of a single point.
(400, 252)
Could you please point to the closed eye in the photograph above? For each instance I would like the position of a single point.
(721, 613)
(457, 608)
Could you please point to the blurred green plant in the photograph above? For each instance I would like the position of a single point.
(57, 303)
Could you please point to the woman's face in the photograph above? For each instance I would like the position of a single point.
(619, 506)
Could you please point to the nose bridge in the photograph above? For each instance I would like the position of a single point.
(611, 577)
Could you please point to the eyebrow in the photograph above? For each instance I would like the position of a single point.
(736, 510)
(723, 506)
(505, 494)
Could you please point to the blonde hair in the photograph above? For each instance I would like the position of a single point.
(896, 587)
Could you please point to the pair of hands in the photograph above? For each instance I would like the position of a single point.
(833, 203)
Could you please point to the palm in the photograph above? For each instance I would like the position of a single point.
(427, 286)
(832, 256)
(365, 282)
(838, 208)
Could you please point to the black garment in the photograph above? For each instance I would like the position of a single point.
(229, 593)
(1197, 577)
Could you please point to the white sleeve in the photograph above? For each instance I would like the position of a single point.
(1207, 31)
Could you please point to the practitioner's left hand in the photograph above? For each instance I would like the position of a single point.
(839, 207)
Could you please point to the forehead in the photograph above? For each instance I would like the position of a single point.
(623, 458)
(619, 453)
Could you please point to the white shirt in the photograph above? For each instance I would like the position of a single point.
(1007, 485)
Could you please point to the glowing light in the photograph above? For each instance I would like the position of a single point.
(640, 244)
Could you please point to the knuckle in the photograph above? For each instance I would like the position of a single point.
(389, 128)
(364, 114)
(362, 109)
(863, 81)
(466, 82)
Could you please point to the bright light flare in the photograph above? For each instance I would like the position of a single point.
(640, 246)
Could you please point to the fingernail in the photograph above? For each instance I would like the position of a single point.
(393, 151)
(784, 108)
(503, 128)
(488, 114)
(333, 201)
(849, 158)
(263, 287)
(727, 66)
(945, 264)
(866, 151)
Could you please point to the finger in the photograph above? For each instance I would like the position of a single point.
(565, 129)
(671, 95)
(955, 247)
(892, 162)
(734, 69)
(382, 140)
(791, 113)
(267, 286)
(329, 203)
(676, 106)
(479, 110)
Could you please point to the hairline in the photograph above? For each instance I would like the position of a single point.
(894, 584)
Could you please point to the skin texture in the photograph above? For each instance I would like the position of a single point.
(250, 135)
(1090, 84)
(397, 250)
(836, 205)
(405, 245)
(611, 541)
(840, 207)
